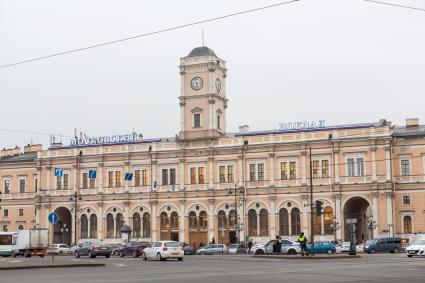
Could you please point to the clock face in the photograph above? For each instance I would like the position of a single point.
(196, 83)
(218, 84)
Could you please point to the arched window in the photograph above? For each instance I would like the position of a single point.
(84, 227)
(93, 226)
(317, 222)
(137, 225)
(165, 221)
(295, 221)
(109, 226)
(174, 221)
(5, 228)
(252, 223)
(283, 222)
(203, 220)
(407, 224)
(232, 219)
(146, 225)
(119, 224)
(328, 220)
(193, 221)
(21, 227)
(264, 222)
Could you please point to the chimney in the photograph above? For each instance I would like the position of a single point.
(244, 129)
(412, 123)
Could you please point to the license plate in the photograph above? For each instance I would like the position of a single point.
(103, 248)
(175, 253)
(411, 252)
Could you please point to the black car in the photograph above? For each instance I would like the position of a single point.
(93, 249)
(189, 250)
(133, 249)
(116, 249)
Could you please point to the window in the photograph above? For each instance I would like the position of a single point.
(218, 122)
(117, 178)
(110, 179)
(355, 167)
(315, 168)
(230, 173)
(5, 228)
(325, 168)
(85, 180)
(137, 225)
(21, 212)
(283, 222)
(283, 173)
(328, 220)
(109, 226)
(256, 172)
(65, 181)
(226, 176)
(21, 227)
(119, 222)
(252, 223)
(84, 226)
(405, 167)
(6, 213)
(137, 178)
(201, 175)
(292, 170)
(264, 222)
(144, 177)
(146, 225)
(222, 173)
(58, 183)
(169, 176)
(6, 186)
(406, 199)
(172, 176)
(295, 221)
(196, 120)
(93, 226)
(407, 224)
(92, 183)
(252, 173)
(260, 172)
(164, 176)
(22, 185)
(193, 175)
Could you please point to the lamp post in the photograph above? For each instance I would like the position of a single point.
(235, 191)
(75, 198)
(335, 227)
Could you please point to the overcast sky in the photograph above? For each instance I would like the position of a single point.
(344, 61)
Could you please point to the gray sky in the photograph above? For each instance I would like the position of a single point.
(344, 61)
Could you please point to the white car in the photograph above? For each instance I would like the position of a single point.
(162, 250)
(417, 248)
(343, 247)
(59, 249)
(288, 247)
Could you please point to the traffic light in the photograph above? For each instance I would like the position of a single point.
(318, 207)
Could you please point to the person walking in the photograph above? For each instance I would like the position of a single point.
(278, 244)
(303, 243)
(249, 246)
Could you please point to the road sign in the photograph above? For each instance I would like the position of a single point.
(92, 174)
(128, 176)
(53, 218)
(58, 172)
(352, 221)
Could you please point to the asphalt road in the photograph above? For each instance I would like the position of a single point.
(386, 268)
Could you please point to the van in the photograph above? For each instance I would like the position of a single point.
(391, 244)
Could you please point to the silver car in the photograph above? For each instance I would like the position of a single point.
(212, 249)
(288, 247)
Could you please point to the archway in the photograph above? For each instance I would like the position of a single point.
(198, 228)
(358, 208)
(62, 231)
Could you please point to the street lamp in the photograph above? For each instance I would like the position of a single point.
(335, 226)
(235, 191)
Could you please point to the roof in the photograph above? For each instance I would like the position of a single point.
(409, 132)
(201, 51)
(26, 157)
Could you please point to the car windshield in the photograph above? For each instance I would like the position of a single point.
(371, 242)
(419, 242)
(98, 243)
(172, 244)
(233, 246)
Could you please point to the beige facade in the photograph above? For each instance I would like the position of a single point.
(180, 188)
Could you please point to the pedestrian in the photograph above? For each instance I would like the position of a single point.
(278, 244)
(249, 246)
(303, 243)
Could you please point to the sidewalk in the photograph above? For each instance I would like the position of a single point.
(317, 256)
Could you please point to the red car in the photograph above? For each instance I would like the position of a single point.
(133, 249)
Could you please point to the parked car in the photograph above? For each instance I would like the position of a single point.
(343, 247)
(133, 249)
(93, 249)
(188, 250)
(73, 248)
(236, 249)
(288, 247)
(390, 244)
(322, 247)
(212, 249)
(417, 248)
(163, 250)
(59, 249)
(116, 249)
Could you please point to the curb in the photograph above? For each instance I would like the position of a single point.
(52, 266)
(308, 257)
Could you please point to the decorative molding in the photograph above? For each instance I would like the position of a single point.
(197, 110)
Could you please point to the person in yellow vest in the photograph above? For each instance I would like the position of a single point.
(303, 243)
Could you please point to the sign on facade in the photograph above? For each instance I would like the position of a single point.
(301, 125)
(86, 140)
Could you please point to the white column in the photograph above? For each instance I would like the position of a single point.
(273, 232)
(211, 224)
(272, 172)
(304, 167)
(390, 213)
(375, 215)
(182, 222)
(153, 221)
(373, 150)
(115, 228)
(387, 163)
(338, 214)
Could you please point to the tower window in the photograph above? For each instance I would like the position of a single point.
(218, 122)
(196, 120)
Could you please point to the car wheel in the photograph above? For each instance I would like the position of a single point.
(180, 259)
(144, 257)
(259, 252)
(77, 255)
(409, 256)
(60, 253)
(107, 256)
(396, 250)
(202, 253)
(135, 254)
(90, 255)
(329, 252)
(372, 251)
(292, 252)
(121, 254)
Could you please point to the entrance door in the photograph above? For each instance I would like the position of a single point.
(232, 237)
(62, 231)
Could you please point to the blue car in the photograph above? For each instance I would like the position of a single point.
(322, 248)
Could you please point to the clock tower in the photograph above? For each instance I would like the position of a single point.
(203, 100)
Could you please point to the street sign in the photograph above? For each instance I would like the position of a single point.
(352, 221)
(58, 172)
(92, 174)
(128, 176)
(53, 218)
